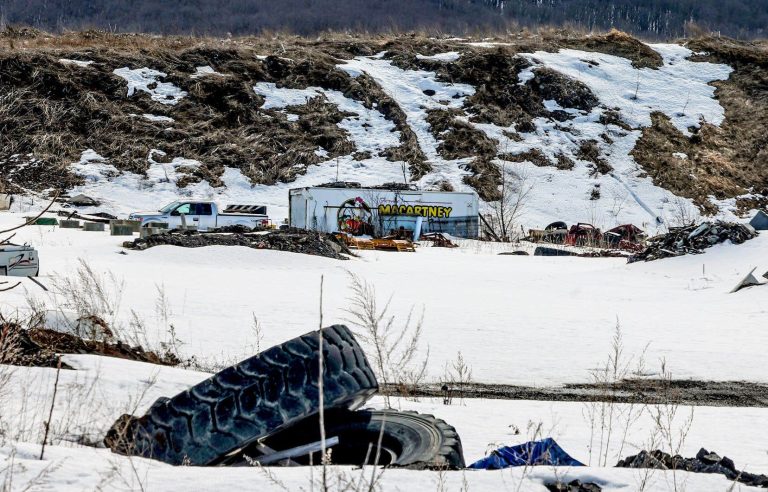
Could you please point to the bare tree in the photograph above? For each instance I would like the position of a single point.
(506, 212)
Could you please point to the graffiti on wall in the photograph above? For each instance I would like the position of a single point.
(355, 217)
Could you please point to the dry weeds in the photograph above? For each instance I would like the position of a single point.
(50, 112)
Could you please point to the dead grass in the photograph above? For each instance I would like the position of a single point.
(50, 112)
(615, 43)
(534, 156)
(725, 161)
(457, 138)
(590, 151)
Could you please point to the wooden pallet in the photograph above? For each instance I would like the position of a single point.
(393, 245)
(356, 243)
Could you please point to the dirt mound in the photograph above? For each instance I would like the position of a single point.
(616, 43)
(725, 161)
(565, 91)
(499, 98)
(52, 109)
(292, 240)
(40, 347)
(534, 156)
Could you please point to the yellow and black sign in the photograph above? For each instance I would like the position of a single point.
(428, 211)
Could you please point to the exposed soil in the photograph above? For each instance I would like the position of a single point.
(498, 97)
(725, 161)
(458, 139)
(50, 112)
(534, 156)
(616, 43)
(590, 151)
(40, 347)
(642, 391)
(293, 240)
(565, 91)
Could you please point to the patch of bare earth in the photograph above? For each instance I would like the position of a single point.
(458, 139)
(50, 112)
(725, 161)
(615, 43)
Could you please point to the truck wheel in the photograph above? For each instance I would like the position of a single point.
(253, 399)
(409, 440)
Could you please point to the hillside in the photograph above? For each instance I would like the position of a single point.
(601, 128)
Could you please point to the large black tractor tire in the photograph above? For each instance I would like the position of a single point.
(409, 439)
(255, 398)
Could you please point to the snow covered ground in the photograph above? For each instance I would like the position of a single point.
(680, 89)
(101, 389)
(553, 316)
(515, 319)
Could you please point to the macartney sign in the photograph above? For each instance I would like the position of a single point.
(423, 210)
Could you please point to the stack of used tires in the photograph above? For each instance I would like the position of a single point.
(274, 398)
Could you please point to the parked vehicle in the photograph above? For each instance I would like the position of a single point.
(204, 215)
(19, 261)
(582, 234)
(627, 237)
(555, 233)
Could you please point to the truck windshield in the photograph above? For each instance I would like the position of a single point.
(169, 207)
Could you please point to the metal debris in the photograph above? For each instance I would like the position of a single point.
(704, 462)
(693, 239)
(438, 239)
(749, 280)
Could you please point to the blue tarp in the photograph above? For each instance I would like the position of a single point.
(532, 453)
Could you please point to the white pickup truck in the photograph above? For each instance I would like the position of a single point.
(18, 261)
(205, 215)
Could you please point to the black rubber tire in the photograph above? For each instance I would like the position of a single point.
(409, 440)
(257, 397)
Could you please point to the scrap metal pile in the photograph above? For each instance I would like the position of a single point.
(704, 462)
(293, 240)
(693, 239)
(265, 410)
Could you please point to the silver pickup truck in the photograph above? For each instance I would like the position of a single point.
(205, 215)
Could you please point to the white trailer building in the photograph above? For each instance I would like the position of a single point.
(378, 212)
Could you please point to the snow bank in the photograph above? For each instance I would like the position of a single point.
(450, 56)
(79, 63)
(142, 78)
(407, 88)
(680, 88)
(368, 128)
(121, 193)
(93, 167)
(281, 97)
(416, 91)
(205, 71)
